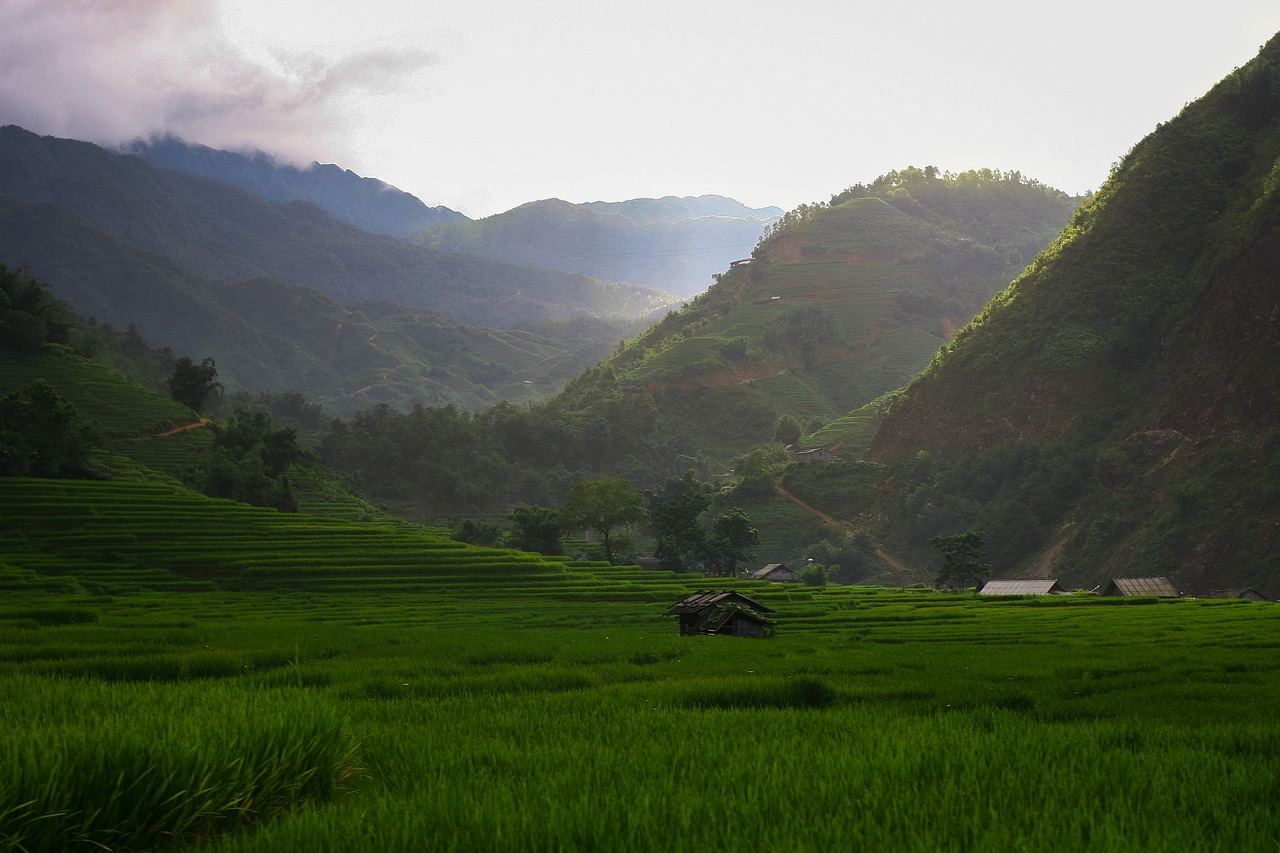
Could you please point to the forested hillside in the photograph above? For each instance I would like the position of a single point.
(364, 202)
(222, 233)
(840, 304)
(1113, 411)
(674, 244)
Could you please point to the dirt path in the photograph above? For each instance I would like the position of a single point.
(842, 526)
(203, 422)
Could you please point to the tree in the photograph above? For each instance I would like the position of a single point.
(191, 383)
(41, 435)
(815, 574)
(960, 554)
(30, 316)
(674, 510)
(248, 462)
(537, 529)
(807, 329)
(603, 505)
(732, 540)
(787, 430)
(477, 532)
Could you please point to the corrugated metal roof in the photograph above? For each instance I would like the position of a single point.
(1158, 587)
(705, 598)
(1022, 587)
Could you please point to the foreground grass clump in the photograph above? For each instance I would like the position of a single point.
(87, 765)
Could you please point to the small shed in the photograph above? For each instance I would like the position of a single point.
(1022, 587)
(1248, 593)
(1155, 587)
(777, 573)
(721, 611)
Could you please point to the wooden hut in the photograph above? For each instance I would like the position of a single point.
(1022, 587)
(721, 611)
(1154, 587)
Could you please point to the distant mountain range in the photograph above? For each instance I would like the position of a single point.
(282, 295)
(674, 244)
(364, 202)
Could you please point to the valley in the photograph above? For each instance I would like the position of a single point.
(332, 519)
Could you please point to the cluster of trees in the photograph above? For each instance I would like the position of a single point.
(685, 536)
(805, 330)
(30, 316)
(249, 462)
(41, 434)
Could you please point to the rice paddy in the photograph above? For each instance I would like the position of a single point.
(191, 673)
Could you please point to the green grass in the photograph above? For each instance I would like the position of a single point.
(337, 685)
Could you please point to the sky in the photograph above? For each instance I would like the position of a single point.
(482, 105)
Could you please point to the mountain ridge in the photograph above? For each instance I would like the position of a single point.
(1132, 367)
(365, 202)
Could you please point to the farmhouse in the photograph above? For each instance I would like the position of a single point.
(1157, 587)
(722, 611)
(1248, 593)
(1022, 587)
(775, 572)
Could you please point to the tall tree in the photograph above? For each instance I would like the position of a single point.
(603, 505)
(30, 316)
(961, 564)
(732, 540)
(41, 435)
(536, 528)
(191, 384)
(673, 512)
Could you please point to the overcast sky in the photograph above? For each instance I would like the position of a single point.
(482, 105)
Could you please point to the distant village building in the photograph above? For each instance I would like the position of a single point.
(813, 455)
(777, 573)
(1022, 587)
(1155, 587)
(722, 611)
(740, 262)
(1248, 593)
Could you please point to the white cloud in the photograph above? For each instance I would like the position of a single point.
(109, 72)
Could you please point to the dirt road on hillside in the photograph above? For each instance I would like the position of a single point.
(842, 526)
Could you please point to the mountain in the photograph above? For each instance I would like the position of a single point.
(839, 304)
(222, 233)
(363, 202)
(266, 334)
(674, 244)
(1113, 412)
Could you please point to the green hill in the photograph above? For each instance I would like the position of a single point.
(1113, 412)
(839, 304)
(269, 335)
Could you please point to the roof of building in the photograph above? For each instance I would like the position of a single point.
(707, 598)
(1158, 587)
(1243, 592)
(763, 574)
(1022, 587)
